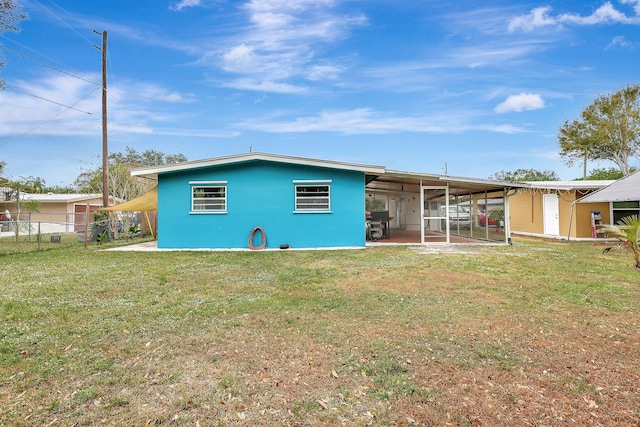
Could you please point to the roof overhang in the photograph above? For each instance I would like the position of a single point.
(626, 189)
(378, 178)
(584, 185)
(62, 198)
(153, 172)
(402, 181)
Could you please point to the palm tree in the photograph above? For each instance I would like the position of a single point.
(628, 232)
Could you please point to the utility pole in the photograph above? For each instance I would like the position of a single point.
(105, 144)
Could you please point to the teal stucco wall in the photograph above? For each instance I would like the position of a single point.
(261, 193)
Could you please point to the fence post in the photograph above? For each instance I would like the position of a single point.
(39, 235)
(86, 226)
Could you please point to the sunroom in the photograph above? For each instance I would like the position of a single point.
(440, 209)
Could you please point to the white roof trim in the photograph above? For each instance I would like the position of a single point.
(570, 185)
(61, 197)
(219, 161)
(624, 190)
(454, 179)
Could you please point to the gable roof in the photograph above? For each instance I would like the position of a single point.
(154, 171)
(624, 190)
(380, 174)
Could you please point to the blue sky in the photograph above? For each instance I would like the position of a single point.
(427, 86)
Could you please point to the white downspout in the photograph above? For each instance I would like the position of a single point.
(573, 204)
(447, 226)
(421, 214)
(507, 215)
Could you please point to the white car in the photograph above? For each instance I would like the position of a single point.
(458, 215)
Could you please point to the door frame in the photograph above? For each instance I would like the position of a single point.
(424, 218)
(550, 206)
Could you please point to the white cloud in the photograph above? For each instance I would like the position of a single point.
(520, 102)
(323, 72)
(365, 121)
(131, 107)
(151, 92)
(283, 39)
(358, 121)
(606, 14)
(619, 41)
(265, 86)
(635, 3)
(47, 114)
(185, 3)
(239, 58)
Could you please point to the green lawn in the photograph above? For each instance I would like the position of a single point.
(538, 333)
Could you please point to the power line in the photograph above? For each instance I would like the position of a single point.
(44, 65)
(143, 123)
(57, 15)
(45, 99)
(21, 106)
(109, 94)
(48, 120)
(65, 23)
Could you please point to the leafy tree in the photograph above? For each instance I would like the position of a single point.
(121, 183)
(57, 189)
(31, 184)
(628, 232)
(608, 129)
(10, 15)
(134, 159)
(607, 174)
(525, 175)
(17, 193)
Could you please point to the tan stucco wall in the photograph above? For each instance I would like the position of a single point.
(564, 216)
(50, 211)
(526, 208)
(583, 217)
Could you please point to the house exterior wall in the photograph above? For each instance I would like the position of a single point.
(526, 209)
(50, 211)
(582, 217)
(261, 193)
(564, 214)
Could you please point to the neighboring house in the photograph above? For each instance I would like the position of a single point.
(304, 203)
(618, 200)
(55, 212)
(550, 209)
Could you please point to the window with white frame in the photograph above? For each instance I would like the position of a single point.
(623, 209)
(313, 196)
(209, 197)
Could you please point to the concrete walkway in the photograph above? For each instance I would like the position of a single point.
(152, 246)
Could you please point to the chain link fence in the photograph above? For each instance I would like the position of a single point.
(35, 233)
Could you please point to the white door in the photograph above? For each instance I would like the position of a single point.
(394, 213)
(550, 213)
